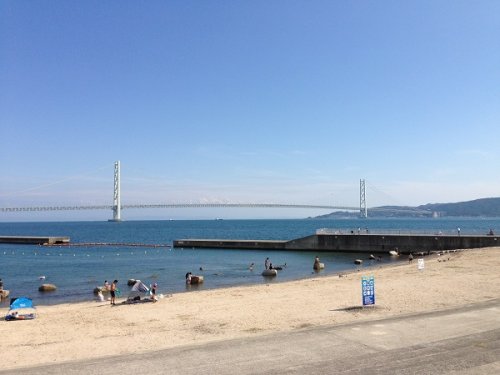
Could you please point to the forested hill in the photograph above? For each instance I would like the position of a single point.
(484, 207)
(480, 207)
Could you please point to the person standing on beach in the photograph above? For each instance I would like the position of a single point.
(153, 291)
(266, 263)
(113, 292)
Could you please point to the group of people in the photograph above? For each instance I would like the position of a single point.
(113, 291)
(269, 266)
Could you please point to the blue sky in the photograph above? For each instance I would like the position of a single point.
(247, 101)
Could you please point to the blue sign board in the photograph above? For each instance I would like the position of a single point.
(368, 289)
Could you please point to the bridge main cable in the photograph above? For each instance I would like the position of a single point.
(239, 205)
(54, 208)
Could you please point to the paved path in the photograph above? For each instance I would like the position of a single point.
(460, 341)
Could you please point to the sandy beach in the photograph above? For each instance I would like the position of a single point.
(95, 329)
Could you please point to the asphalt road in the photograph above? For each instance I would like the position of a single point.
(460, 341)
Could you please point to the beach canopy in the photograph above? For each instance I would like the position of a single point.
(139, 286)
(137, 291)
(21, 303)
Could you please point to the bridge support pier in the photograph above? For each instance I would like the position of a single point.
(363, 211)
(116, 194)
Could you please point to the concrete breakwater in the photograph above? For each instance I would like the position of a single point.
(34, 240)
(370, 243)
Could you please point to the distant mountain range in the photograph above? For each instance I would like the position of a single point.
(484, 207)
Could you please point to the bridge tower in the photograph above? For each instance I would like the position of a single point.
(363, 211)
(116, 194)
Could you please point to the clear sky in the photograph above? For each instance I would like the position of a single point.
(247, 101)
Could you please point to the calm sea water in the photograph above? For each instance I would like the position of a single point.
(77, 270)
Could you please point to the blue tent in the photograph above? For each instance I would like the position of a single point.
(21, 303)
(17, 312)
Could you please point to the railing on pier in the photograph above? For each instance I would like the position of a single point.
(402, 232)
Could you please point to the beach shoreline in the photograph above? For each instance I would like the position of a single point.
(125, 289)
(84, 330)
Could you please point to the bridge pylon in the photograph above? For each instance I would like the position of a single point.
(116, 194)
(363, 210)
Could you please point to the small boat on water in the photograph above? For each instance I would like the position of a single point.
(270, 272)
(358, 261)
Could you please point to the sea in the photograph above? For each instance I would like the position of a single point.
(77, 270)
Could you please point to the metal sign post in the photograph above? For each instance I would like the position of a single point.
(368, 290)
(421, 264)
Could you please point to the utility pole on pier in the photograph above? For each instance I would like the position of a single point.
(116, 194)
(363, 211)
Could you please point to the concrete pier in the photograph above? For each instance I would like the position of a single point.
(370, 243)
(34, 240)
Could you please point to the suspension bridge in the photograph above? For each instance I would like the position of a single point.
(117, 206)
